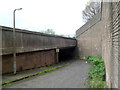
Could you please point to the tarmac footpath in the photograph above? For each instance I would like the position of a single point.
(72, 75)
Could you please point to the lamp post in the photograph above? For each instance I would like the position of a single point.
(14, 42)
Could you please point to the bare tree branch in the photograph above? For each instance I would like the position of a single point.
(91, 9)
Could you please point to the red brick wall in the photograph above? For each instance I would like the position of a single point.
(28, 60)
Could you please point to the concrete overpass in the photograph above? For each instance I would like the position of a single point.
(34, 49)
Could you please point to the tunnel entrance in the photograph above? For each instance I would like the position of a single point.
(66, 54)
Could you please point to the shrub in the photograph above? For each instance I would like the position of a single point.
(96, 73)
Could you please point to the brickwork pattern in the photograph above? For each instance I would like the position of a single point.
(115, 43)
(28, 60)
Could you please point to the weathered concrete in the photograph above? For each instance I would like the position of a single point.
(28, 41)
(89, 37)
(33, 49)
(100, 36)
(71, 76)
(115, 55)
(106, 40)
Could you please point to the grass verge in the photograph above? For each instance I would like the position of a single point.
(96, 76)
(39, 73)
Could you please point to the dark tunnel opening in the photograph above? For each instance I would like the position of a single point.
(66, 54)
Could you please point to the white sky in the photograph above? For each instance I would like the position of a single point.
(63, 16)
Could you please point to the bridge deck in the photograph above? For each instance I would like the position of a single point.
(34, 49)
(28, 41)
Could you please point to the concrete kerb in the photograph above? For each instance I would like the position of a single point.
(36, 74)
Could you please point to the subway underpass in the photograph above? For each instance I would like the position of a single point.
(66, 54)
(33, 49)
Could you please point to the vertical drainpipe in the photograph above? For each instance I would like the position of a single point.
(57, 55)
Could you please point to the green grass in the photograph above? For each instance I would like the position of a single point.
(51, 69)
(97, 72)
(7, 82)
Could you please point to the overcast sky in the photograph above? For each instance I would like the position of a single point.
(63, 16)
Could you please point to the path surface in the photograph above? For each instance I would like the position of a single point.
(71, 76)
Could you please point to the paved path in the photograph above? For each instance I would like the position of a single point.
(71, 76)
(25, 73)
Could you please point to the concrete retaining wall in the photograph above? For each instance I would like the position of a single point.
(100, 36)
(89, 37)
(115, 62)
(33, 49)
